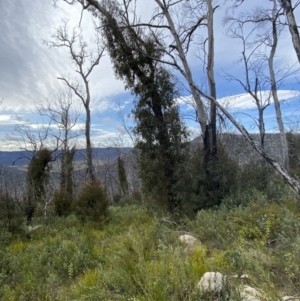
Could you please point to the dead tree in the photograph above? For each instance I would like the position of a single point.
(85, 60)
(63, 112)
(261, 41)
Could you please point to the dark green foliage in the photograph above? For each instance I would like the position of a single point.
(256, 175)
(91, 202)
(38, 174)
(205, 187)
(162, 140)
(11, 218)
(62, 202)
(161, 135)
(294, 153)
(257, 181)
(66, 175)
(122, 177)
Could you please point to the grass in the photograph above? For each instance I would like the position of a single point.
(137, 255)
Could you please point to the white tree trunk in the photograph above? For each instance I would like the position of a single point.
(284, 144)
(287, 6)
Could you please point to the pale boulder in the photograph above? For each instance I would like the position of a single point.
(189, 241)
(211, 282)
(251, 294)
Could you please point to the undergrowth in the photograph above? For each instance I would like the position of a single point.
(137, 256)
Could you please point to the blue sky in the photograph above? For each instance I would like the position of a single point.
(29, 71)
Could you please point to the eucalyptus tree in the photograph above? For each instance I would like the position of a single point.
(85, 60)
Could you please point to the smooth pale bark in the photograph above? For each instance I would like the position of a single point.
(288, 9)
(284, 144)
(188, 74)
(211, 80)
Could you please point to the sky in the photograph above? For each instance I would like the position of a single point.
(29, 71)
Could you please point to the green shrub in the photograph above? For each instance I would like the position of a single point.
(92, 203)
(205, 186)
(244, 197)
(62, 202)
(11, 215)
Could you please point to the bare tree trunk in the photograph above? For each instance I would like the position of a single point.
(261, 125)
(211, 81)
(188, 74)
(89, 151)
(284, 144)
(287, 6)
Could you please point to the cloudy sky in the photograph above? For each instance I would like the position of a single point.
(29, 71)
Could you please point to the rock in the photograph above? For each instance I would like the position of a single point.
(211, 282)
(189, 241)
(30, 228)
(250, 294)
(290, 298)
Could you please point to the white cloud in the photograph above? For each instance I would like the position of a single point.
(245, 101)
(242, 101)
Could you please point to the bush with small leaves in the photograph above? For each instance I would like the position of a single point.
(62, 202)
(92, 203)
(11, 217)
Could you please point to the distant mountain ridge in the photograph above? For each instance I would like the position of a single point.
(240, 150)
(235, 145)
(21, 158)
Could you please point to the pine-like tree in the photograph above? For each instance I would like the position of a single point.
(162, 139)
(159, 129)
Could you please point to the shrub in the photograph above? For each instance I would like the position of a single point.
(243, 198)
(92, 202)
(256, 175)
(205, 186)
(62, 202)
(11, 218)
